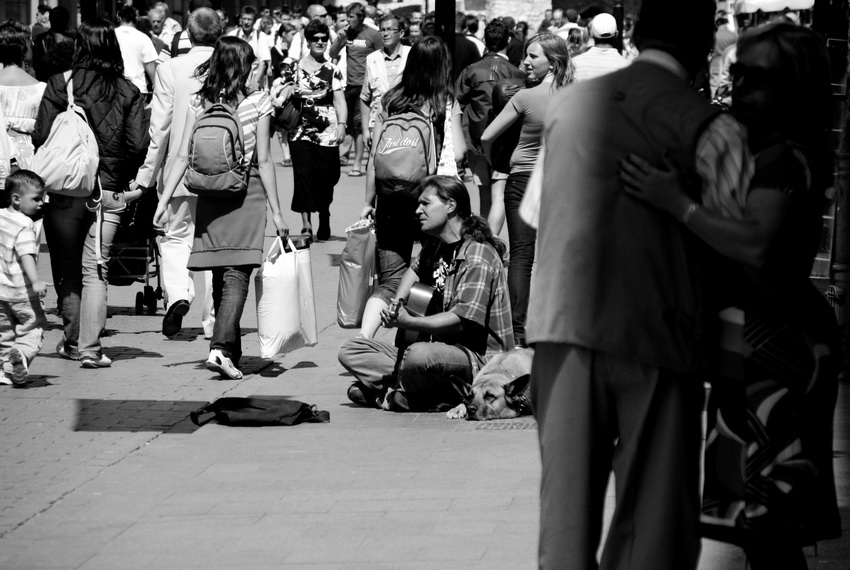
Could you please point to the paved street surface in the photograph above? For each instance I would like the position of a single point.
(103, 469)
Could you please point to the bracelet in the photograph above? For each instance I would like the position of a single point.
(689, 213)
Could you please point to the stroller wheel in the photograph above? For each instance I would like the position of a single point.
(140, 303)
(150, 299)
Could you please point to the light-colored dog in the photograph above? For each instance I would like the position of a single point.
(500, 389)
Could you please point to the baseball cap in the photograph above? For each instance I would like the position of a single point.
(603, 26)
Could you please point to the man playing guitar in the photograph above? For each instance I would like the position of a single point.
(464, 265)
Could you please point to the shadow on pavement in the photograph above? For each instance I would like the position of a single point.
(130, 353)
(167, 416)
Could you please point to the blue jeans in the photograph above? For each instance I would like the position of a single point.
(392, 265)
(521, 238)
(230, 289)
(431, 375)
(79, 281)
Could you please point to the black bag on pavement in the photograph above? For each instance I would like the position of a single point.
(259, 411)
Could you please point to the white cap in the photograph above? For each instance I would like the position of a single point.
(603, 26)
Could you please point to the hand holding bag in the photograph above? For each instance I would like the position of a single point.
(356, 274)
(286, 311)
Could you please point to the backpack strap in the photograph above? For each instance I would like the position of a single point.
(69, 85)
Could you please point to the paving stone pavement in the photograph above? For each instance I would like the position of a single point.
(103, 469)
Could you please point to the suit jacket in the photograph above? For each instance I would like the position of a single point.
(174, 86)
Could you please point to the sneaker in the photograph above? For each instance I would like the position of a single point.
(101, 361)
(5, 379)
(19, 367)
(173, 320)
(62, 351)
(218, 362)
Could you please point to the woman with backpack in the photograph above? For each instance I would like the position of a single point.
(229, 223)
(80, 225)
(425, 92)
(548, 62)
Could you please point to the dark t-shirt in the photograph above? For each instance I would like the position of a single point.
(366, 42)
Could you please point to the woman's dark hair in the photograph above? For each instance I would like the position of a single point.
(417, 88)
(225, 74)
(803, 86)
(284, 29)
(474, 227)
(96, 47)
(14, 41)
(316, 27)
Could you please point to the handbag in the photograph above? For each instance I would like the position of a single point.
(286, 309)
(356, 273)
(288, 117)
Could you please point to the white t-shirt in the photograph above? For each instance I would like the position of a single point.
(136, 49)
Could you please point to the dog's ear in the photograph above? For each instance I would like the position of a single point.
(518, 387)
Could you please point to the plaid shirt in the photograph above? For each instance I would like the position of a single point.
(476, 290)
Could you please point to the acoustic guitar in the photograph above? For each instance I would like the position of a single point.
(420, 302)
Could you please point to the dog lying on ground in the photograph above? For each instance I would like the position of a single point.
(500, 389)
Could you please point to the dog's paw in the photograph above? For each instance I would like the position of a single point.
(386, 403)
(457, 413)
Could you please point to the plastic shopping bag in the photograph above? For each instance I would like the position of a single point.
(286, 310)
(356, 274)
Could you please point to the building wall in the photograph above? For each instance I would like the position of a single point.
(530, 11)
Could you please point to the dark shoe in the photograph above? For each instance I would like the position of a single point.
(173, 320)
(359, 394)
(324, 232)
(309, 233)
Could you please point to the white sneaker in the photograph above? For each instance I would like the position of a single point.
(101, 361)
(218, 362)
(5, 377)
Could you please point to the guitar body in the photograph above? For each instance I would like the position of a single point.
(420, 302)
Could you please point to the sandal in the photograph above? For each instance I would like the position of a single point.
(287, 162)
(309, 233)
(354, 172)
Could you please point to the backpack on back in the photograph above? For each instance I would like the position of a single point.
(218, 166)
(405, 153)
(68, 159)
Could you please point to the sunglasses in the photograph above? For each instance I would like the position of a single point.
(318, 39)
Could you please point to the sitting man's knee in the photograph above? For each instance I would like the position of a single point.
(347, 351)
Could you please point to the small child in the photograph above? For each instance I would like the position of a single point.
(22, 317)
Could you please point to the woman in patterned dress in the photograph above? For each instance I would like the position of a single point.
(769, 483)
(314, 143)
(229, 231)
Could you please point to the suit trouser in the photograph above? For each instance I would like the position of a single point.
(175, 247)
(597, 412)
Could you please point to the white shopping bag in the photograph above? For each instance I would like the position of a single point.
(286, 311)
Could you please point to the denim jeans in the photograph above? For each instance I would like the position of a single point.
(431, 374)
(521, 238)
(230, 289)
(392, 264)
(79, 281)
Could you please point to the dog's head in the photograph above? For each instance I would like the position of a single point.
(498, 397)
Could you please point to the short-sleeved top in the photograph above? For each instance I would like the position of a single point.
(358, 48)
(136, 50)
(530, 105)
(17, 239)
(250, 111)
(470, 276)
(318, 121)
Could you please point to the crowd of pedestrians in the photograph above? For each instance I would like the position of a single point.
(636, 213)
